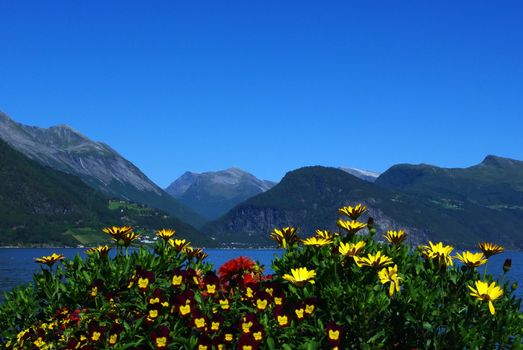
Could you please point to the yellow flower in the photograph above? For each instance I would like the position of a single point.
(486, 292)
(117, 232)
(178, 244)
(490, 249)
(351, 249)
(128, 238)
(353, 212)
(49, 260)
(165, 234)
(323, 234)
(390, 275)
(285, 237)
(300, 276)
(351, 226)
(318, 242)
(471, 260)
(102, 250)
(395, 237)
(376, 260)
(439, 252)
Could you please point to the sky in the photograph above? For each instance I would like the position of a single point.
(270, 86)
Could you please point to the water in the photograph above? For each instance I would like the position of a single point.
(17, 264)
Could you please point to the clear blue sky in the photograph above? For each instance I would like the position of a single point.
(270, 86)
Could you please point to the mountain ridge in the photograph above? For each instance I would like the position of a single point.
(46, 207)
(306, 199)
(213, 193)
(97, 164)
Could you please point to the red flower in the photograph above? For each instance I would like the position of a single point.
(233, 271)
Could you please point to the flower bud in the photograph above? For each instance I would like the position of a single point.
(507, 265)
(514, 286)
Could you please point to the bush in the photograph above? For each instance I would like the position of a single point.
(342, 290)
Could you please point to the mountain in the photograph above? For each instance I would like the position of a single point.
(97, 164)
(495, 183)
(43, 206)
(308, 198)
(366, 175)
(212, 194)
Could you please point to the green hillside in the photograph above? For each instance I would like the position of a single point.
(42, 206)
(308, 198)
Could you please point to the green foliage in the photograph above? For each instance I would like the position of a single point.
(322, 296)
(42, 206)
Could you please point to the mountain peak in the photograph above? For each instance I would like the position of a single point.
(212, 193)
(499, 162)
(366, 175)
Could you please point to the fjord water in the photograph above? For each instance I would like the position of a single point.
(17, 265)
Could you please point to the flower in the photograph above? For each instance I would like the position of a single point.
(247, 342)
(199, 321)
(390, 275)
(490, 249)
(157, 297)
(351, 249)
(247, 322)
(211, 283)
(310, 305)
(285, 237)
(300, 276)
(144, 278)
(160, 338)
(282, 318)
(395, 237)
(351, 226)
(122, 235)
(224, 303)
(165, 234)
(486, 292)
(471, 260)
(178, 244)
(95, 287)
(116, 329)
(49, 260)
(103, 250)
(198, 253)
(439, 252)
(232, 272)
(117, 232)
(153, 311)
(353, 212)
(376, 260)
(216, 323)
(299, 311)
(262, 300)
(128, 238)
(334, 333)
(177, 278)
(95, 332)
(323, 234)
(318, 242)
